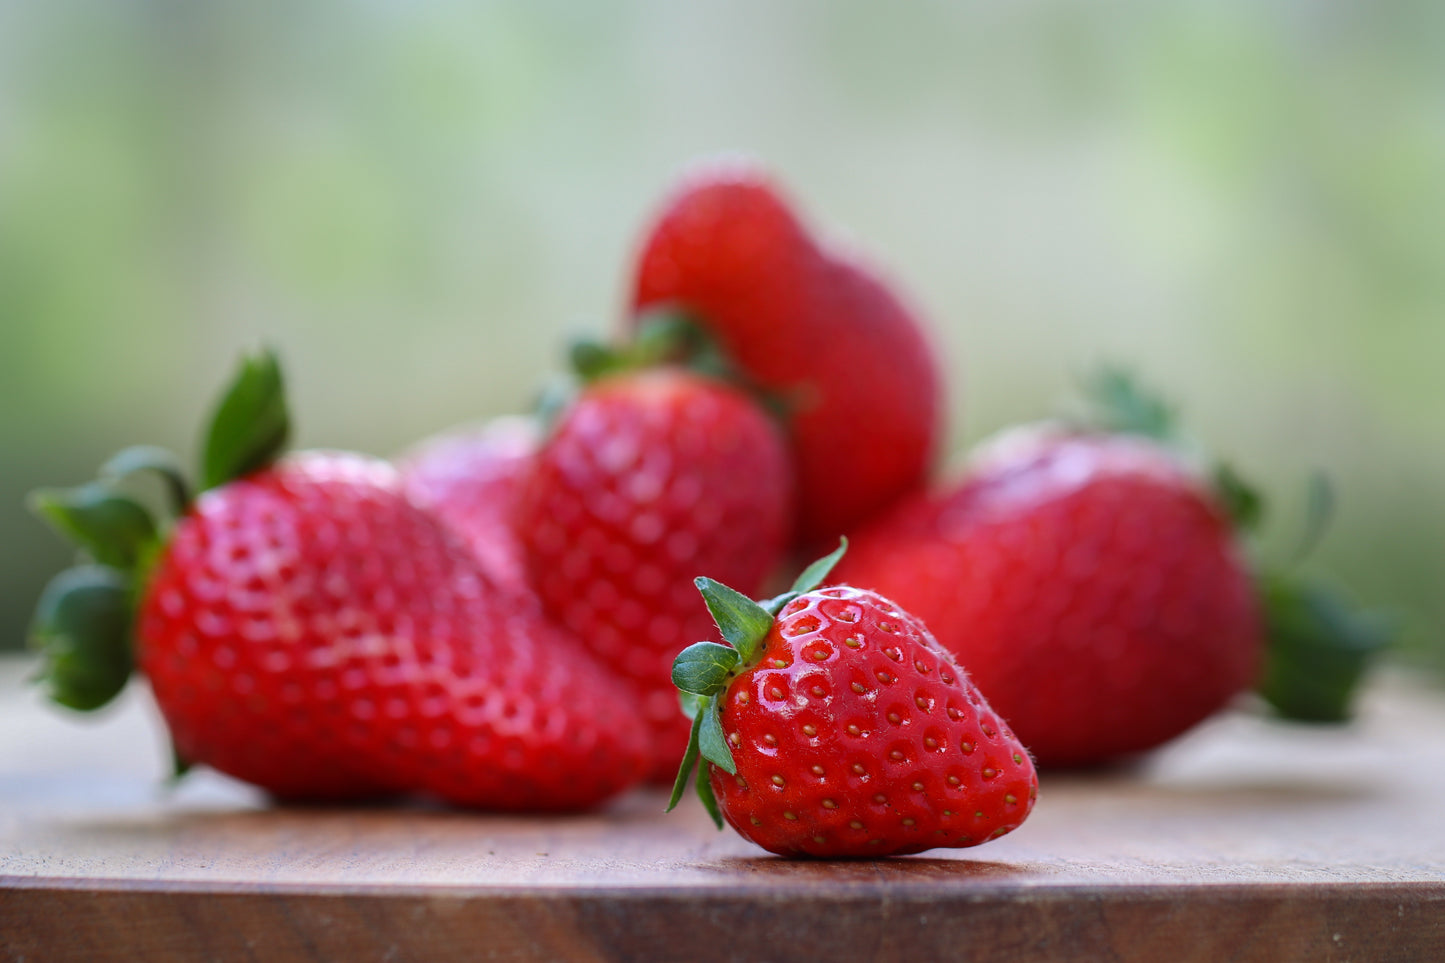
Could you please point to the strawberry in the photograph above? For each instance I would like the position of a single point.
(307, 628)
(470, 480)
(815, 329)
(647, 480)
(1096, 587)
(1089, 582)
(834, 725)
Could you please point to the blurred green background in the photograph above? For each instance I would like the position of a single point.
(419, 202)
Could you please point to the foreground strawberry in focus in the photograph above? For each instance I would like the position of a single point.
(833, 725)
(305, 627)
(647, 480)
(814, 329)
(1096, 586)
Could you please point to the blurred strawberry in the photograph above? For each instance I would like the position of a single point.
(1087, 583)
(811, 327)
(648, 480)
(1093, 584)
(470, 480)
(307, 628)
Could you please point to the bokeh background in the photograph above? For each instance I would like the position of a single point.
(420, 202)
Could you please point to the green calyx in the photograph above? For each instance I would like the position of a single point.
(703, 671)
(83, 627)
(250, 426)
(112, 528)
(84, 622)
(666, 335)
(1115, 402)
(663, 337)
(1319, 645)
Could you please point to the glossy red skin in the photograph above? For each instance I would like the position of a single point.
(1089, 584)
(813, 326)
(470, 480)
(648, 481)
(926, 763)
(310, 630)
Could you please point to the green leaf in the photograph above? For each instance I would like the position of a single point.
(703, 668)
(689, 758)
(669, 334)
(139, 458)
(1319, 512)
(1241, 501)
(705, 793)
(251, 424)
(742, 622)
(82, 628)
(712, 743)
(664, 336)
(691, 703)
(775, 604)
(812, 576)
(112, 528)
(1318, 650)
(591, 360)
(1118, 403)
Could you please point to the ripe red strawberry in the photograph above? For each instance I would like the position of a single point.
(1092, 585)
(307, 628)
(841, 728)
(470, 480)
(648, 480)
(814, 328)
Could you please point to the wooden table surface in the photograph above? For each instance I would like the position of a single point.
(1246, 840)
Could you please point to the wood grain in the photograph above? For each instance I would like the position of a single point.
(1247, 840)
